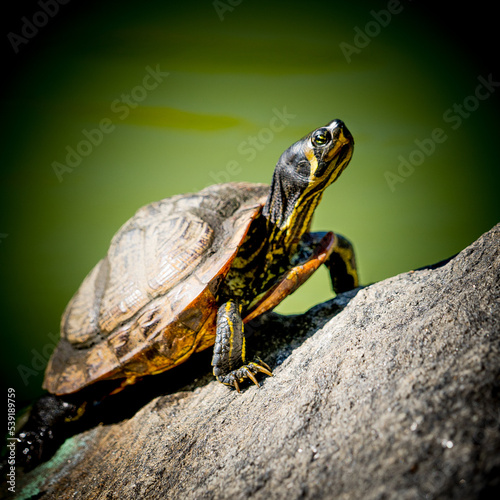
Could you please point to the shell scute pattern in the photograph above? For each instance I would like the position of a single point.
(151, 301)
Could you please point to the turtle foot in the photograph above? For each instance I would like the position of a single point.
(235, 377)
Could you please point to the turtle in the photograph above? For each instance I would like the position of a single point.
(188, 272)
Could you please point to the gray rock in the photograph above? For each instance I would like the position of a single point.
(394, 397)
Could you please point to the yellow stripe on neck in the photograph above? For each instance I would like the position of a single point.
(313, 161)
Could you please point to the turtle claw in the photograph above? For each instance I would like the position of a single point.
(251, 376)
(262, 367)
(235, 377)
(259, 361)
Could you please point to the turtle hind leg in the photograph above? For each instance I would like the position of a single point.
(45, 429)
(229, 358)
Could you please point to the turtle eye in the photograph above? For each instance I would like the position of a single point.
(321, 137)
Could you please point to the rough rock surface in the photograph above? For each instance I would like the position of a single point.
(388, 393)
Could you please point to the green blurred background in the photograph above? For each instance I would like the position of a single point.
(225, 80)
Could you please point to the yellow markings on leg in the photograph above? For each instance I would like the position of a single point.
(230, 324)
(347, 255)
(79, 413)
(243, 347)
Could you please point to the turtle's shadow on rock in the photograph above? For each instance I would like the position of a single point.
(272, 337)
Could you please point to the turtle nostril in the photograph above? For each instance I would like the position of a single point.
(336, 124)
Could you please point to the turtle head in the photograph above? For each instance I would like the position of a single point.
(302, 174)
(315, 161)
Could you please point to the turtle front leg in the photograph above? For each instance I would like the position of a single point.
(341, 263)
(230, 366)
(313, 250)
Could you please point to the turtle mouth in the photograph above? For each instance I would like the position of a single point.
(344, 154)
(338, 151)
(343, 143)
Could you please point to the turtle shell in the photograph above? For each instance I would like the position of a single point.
(150, 303)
